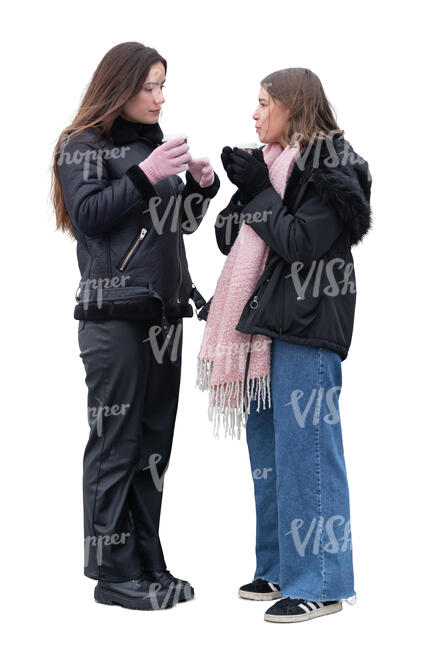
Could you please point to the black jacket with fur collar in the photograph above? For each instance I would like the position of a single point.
(307, 293)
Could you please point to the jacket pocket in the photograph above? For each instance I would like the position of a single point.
(300, 298)
(132, 250)
(253, 301)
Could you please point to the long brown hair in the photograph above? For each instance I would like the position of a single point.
(118, 77)
(300, 90)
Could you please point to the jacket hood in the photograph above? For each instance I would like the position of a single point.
(342, 179)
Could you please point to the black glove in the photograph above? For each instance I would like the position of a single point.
(202, 314)
(248, 172)
(258, 154)
(226, 162)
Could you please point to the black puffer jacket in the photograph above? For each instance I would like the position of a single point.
(306, 293)
(130, 246)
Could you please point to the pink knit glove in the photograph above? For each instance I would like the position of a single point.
(167, 159)
(202, 172)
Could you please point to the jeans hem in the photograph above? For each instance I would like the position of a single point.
(262, 577)
(317, 598)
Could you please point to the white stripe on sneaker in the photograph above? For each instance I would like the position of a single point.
(305, 609)
(272, 586)
(310, 604)
(319, 603)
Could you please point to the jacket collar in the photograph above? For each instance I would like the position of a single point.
(314, 155)
(341, 178)
(124, 131)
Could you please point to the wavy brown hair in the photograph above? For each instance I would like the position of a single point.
(300, 90)
(118, 77)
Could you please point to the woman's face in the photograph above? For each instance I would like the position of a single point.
(145, 106)
(271, 119)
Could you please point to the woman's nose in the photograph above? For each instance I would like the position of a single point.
(158, 96)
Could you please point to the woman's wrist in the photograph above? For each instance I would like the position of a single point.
(149, 171)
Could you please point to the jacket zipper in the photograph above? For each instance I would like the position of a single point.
(253, 304)
(108, 257)
(132, 249)
(179, 242)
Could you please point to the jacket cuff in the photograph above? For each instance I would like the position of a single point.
(192, 186)
(141, 182)
(237, 201)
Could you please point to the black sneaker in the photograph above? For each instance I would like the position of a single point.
(260, 590)
(293, 610)
(134, 594)
(181, 589)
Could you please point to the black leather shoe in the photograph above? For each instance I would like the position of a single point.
(134, 594)
(181, 590)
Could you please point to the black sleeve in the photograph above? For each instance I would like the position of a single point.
(304, 236)
(95, 202)
(195, 201)
(228, 224)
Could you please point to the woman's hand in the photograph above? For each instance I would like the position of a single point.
(226, 162)
(169, 158)
(247, 171)
(201, 171)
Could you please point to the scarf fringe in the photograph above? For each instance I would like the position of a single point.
(219, 409)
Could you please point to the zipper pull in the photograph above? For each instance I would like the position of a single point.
(143, 233)
(254, 302)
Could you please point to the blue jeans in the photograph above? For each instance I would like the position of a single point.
(303, 539)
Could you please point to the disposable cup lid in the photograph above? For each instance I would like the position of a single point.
(247, 145)
(172, 136)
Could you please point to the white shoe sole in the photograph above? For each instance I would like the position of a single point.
(251, 595)
(296, 618)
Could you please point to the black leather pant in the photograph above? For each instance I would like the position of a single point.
(132, 402)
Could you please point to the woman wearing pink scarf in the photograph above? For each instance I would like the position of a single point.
(279, 326)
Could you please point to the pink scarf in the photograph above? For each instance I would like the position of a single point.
(223, 353)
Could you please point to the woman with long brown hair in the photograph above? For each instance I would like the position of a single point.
(117, 192)
(279, 326)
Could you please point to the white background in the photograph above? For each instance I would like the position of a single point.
(375, 61)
